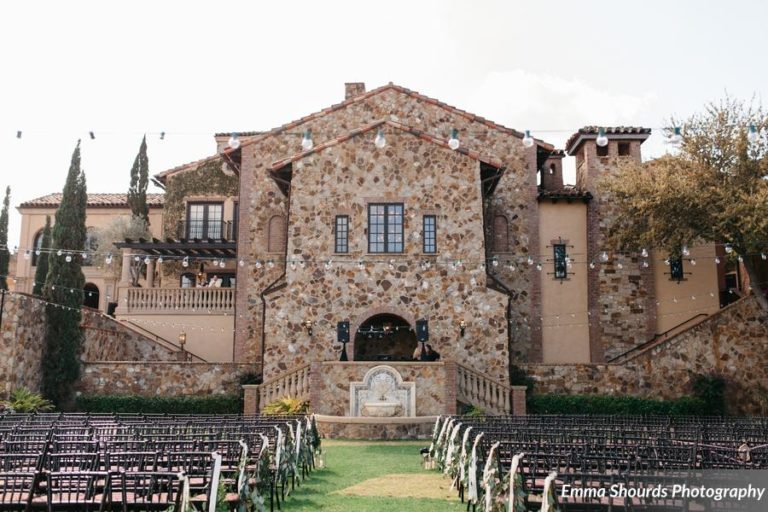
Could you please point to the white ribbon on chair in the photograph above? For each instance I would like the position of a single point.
(434, 435)
(298, 439)
(472, 477)
(512, 472)
(462, 459)
(451, 448)
(488, 476)
(241, 478)
(184, 502)
(278, 449)
(545, 498)
(214, 481)
(440, 448)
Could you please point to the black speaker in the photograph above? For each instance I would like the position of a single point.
(422, 330)
(342, 332)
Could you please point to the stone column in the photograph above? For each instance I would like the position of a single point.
(250, 399)
(125, 276)
(151, 273)
(518, 400)
(449, 395)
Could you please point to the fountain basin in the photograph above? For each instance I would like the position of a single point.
(381, 409)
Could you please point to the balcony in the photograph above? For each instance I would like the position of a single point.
(199, 229)
(163, 301)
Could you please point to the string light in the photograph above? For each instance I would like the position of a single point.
(604, 256)
(602, 139)
(18, 134)
(306, 140)
(676, 137)
(93, 137)
(644, 253)
(380, 141)
(234, 140)
(185, 262)
(527, 139)
(753, 135)
(162, 135)
(107, 260)
(68, 258)
(453, 141)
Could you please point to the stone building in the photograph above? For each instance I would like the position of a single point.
(391, 217)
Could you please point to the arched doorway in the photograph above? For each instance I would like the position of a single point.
(91, 296)
(384, 337)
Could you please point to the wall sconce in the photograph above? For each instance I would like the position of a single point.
(308, 326)
(462, 328)
(182, 339)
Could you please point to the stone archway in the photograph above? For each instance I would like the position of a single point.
(383, 336)
(91, 296)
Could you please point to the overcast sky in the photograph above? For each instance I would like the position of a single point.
(195, 68)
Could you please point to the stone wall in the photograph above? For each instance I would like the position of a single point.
(329, 388)
(21, 342)
(261, 199)
(731, 344)
(108, 340)
(161, 378)
(343, 180)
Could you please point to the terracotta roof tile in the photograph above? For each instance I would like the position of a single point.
(567, 193)
(94, 201)
(488, 159)
(590, 132)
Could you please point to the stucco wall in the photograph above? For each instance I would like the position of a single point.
(730, 344)
(565, 328)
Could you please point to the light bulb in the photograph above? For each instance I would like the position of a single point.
(27, 255)
(234, 141)
(644, 253)
(37, 252)
(538, 267)
(108, 259)
(666, 261)
(527, 139)
(619, 266)
(391, 264)
(185, 262)
(293, 265)
(159, 260)
(676, 137)
(753, 134)
(602, 139)
(360, 265)
(136, 259)
(604, 256)
(645, 264)
(763, 256)
(693, 262)
(241, 263)
(257, 264)
(530, 260)
(59, 253)
(306, 140)
(453, 142)
(222, 263)
(717, 260)
(592, 265)
(271, 264)
(728, 248)
(328, 265)
(380, 141)
(686, 252)
(146, 260)
(68, 258)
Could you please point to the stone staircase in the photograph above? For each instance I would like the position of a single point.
(294, 384)
(483, 392)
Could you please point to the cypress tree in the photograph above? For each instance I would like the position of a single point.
(41, 271)
(5, 255)
(137, 192)
(64, 290)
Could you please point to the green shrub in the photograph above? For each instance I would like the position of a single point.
(473, 412)
(24, 400)
(287, 405)
(213, 404)
(711, 389)
(603, 404)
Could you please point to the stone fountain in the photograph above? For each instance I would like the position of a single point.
(382, 393)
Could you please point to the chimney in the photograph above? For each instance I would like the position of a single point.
(352, 89)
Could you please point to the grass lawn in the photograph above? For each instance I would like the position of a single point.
(373, 476)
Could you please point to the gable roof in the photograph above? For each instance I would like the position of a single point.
(374, 92)
(107, 200)
(488, 159)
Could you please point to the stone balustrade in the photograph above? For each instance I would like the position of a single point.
(294, 384)
(177, 300)
(481, 391)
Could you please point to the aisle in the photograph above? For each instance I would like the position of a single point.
(373, 476)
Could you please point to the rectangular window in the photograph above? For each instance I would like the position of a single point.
(342, 234)
(430, 234)
(623, 148)
(676, 269)
(602, 150)
(385, 227)
(561, 263)
(204, 220)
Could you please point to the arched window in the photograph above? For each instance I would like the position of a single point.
(91, 296)
(37, 244)
(500, 234)
(276, 235)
